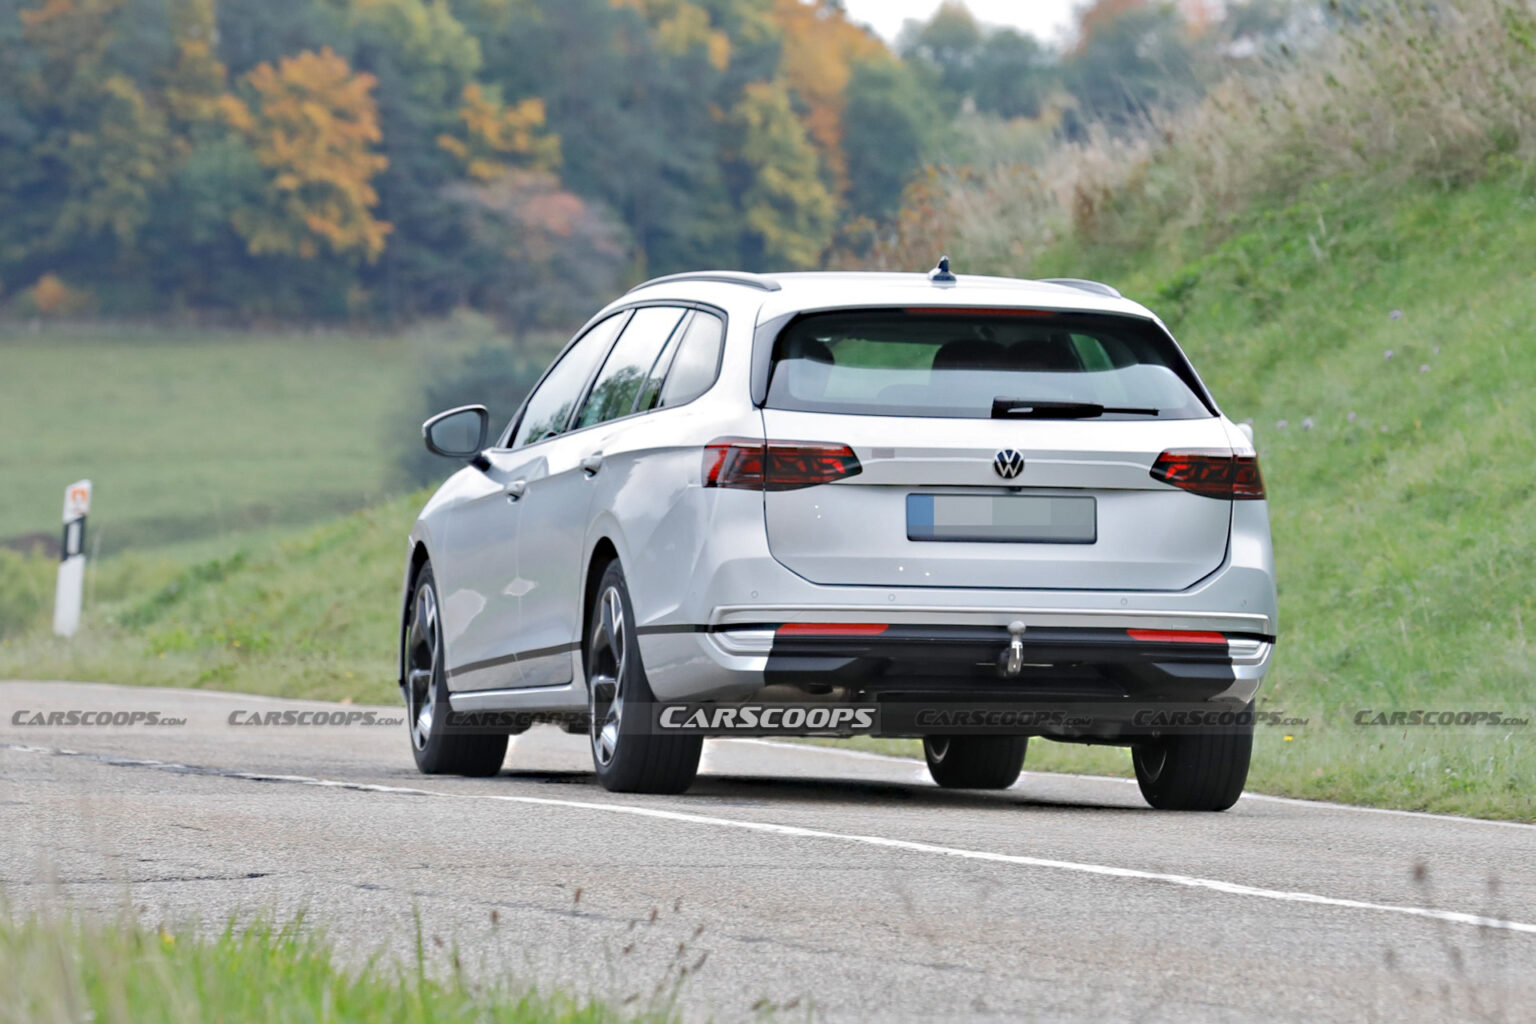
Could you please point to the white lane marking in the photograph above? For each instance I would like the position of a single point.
(845, 752)
(800, 832)
(1329, 805)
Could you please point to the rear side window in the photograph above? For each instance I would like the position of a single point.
(697, 363)
(549, 407)
(629, 364)
(967, 363)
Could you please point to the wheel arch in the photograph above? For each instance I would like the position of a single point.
(604, 553)
(419, 558)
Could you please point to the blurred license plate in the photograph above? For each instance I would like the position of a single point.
(1017, 518)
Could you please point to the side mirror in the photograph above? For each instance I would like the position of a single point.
(1247, 429)
(458, 433)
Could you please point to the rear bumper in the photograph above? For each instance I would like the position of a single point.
(1062, 664)
(1096, 683)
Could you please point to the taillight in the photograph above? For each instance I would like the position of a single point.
(776, 465)
(831, 629)
(1176, 636)
(1213, 473)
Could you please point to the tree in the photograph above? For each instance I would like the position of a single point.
(819, 52)
(313, 127)
(90, 147)
(892, 121)
(949, 45)
(1012, 75)
(441, 122)
(543, 253)
(496, 137)
(193, 80)
(1133, 57)
(640, 119)
(260, 33)
(788, 213)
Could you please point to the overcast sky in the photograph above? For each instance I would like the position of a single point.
(1048, 19)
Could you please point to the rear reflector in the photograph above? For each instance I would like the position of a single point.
(832, 629)
(1212, 473)
(776, 465)
(1175, 636)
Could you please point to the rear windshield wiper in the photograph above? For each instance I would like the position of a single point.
(1031, 409)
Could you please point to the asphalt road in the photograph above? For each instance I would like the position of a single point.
(801, 882)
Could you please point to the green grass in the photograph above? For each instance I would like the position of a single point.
(1405, 536)
(193, 436)
(67, 970)
(309, 614)
(1381, 342)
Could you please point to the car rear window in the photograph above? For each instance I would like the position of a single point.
(957, 364)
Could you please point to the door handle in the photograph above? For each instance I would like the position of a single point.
(515, 489)
(592, 463)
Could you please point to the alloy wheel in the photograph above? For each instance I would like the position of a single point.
(608, 656)
(421, 646)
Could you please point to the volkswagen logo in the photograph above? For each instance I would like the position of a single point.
(1008, 463)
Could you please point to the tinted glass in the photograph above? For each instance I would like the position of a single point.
(895, 363)
(550, 405)
(697, 362)
(650, 394)
(629, 364)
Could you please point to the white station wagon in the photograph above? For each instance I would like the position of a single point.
(967, 509)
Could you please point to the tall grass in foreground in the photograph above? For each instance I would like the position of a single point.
(1414, 92)
(65, 970)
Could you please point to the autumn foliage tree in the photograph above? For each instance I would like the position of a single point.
(820, 50)
(85, 146)
(542, 251)
(788, 212)
(313, 125)
(394, 159)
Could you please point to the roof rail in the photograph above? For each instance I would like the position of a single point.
(766, 284)
(1096, 287)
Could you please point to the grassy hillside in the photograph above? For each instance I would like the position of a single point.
(310, 614)
(1382, 345)
(198, 436)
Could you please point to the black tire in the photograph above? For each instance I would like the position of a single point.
(975, 762)
(1202, 771)
(626, 753)
(439, 749)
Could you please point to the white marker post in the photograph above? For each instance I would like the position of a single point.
(66, 604)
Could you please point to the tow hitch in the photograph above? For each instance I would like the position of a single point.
(1011, 661)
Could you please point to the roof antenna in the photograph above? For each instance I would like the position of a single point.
(940, 274)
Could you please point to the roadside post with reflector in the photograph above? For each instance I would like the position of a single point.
(66, 603)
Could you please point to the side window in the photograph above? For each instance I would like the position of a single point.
(697, 362)
(550, 405)
(650, 393)
(619, 382)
